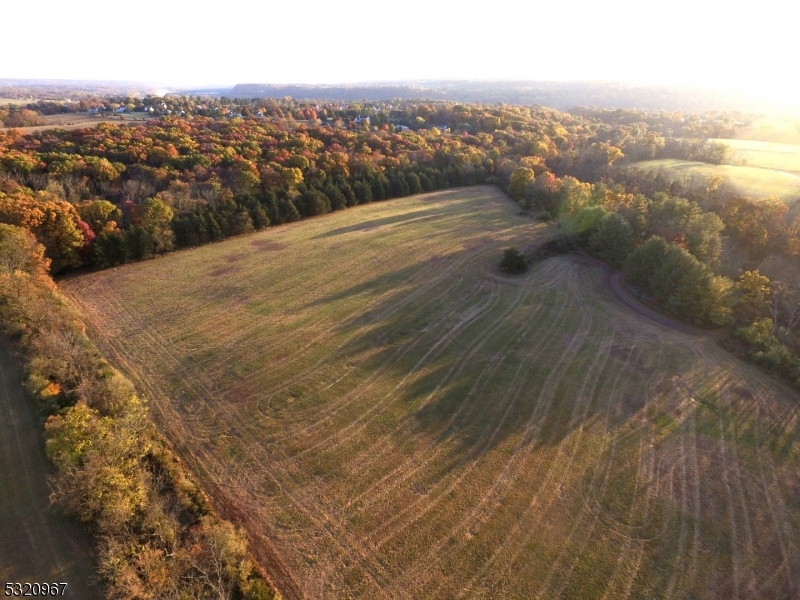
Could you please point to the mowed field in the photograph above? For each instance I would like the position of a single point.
(752, 181)
(766, 155)
(772, 129)
(18, 101)
(81, 120)
(390, 417)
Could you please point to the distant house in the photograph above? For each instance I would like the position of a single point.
(359, 120)
(400, 128)
(121, 109)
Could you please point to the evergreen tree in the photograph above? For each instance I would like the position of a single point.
(363, 192)
(612, 241)
(259, 217)
(643, 262)
(287, 211)
(414, 183)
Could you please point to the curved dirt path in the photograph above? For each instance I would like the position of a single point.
(37, 544)
(615, 284)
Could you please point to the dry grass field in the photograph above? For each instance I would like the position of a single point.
(772, 129)
(752, 181)
(766, 155)
(390, 417)
(80, 120)
(17, 101)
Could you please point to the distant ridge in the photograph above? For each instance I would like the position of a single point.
(554, 94)
(373, 92)
(561, 95)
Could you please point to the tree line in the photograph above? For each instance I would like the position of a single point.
(733, 261)
(104, 196)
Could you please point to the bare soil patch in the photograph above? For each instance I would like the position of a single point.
(268, 245)
(223, 271)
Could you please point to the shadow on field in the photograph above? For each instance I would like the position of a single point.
(488, 204)
(482, 358)
(415, 217)
(497, 369)
(393, 280)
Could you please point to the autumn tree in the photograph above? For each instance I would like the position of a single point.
(153, 217)
(98, 459)
(19, 251)
(754, 300)
(54, 222)
(100, 215)
(784, 306)
(519, 186)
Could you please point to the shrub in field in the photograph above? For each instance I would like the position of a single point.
(513, 262)
(766, 349)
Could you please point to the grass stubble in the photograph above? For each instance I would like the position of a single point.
(367, 392)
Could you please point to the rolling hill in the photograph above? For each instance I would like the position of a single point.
(390, 417)
(752, 181)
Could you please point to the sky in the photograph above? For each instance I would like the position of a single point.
(734, 44)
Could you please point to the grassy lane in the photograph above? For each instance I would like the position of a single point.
(400, 420)
(766, 155)
(37, 544)
(752, 181)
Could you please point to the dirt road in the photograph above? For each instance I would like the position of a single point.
(615, 284)
(37, 544)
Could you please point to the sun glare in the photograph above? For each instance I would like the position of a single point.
(743, 46)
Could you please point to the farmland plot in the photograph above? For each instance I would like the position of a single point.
(765, 155)
(390, 417)
(752, 181)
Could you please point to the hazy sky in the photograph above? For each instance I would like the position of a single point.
(179, 42)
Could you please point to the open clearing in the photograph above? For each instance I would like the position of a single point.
(37, 544)
(749, 181)
(766, 155)
(17, 101)
(772, 129)
(81, 120)
(399, 420)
